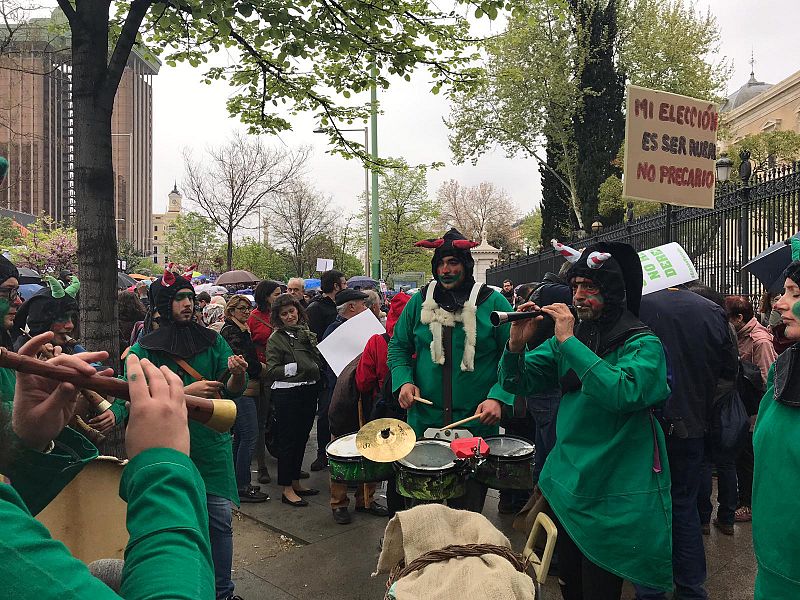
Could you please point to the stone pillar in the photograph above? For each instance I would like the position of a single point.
(484, 255)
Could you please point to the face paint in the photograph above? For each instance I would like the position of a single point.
(451, 278)
(796, 310)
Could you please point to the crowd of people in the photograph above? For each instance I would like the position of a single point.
(632, 402)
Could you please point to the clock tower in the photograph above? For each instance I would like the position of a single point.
(175, 198)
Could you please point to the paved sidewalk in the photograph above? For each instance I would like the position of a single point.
(334, 562)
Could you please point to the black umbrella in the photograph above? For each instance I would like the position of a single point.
(27, 275)
(768, 266)
(124, 280)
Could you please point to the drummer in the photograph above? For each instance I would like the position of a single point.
(446, 325)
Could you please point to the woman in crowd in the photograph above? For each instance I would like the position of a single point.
(245, 429)
(131, 310)
(260, 330)
(294, 367)
(776, 522)
(214, 313)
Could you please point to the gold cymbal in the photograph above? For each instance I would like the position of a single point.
(385, 440)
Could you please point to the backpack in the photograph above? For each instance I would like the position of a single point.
(386, 405)
(730, 421)
(750, 385)
(343, 409)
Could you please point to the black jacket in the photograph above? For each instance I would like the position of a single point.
(552, 290)
(241, 343)
(700, 352)
(321, 313)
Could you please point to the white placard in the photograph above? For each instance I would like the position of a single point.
(666, 266)
(348, 340)
(324, 264)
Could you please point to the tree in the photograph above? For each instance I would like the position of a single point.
(293, 52)
(10, 234)
(237, 178)
(296, 218)
(670, 45)
(598, 122)
(192, 240)
(477, 212)
(556, 71)
(557, 217)
(49, 248)
(329, 246)
(129, 254)
(406, 215)
(767, 150)
(261, 260)
(613, 207)
(531, 229)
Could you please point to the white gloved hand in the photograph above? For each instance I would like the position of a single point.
(290, 370)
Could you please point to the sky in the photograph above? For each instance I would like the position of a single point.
(190, 114)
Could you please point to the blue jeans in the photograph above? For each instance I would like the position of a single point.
(221, 533)
(245, 436)
(544, 410)
(688, 556)
(727, 494)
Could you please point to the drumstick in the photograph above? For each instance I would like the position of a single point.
(462, 421)
(418, 399)
(219, 415)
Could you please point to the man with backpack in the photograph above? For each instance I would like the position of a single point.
(700, 353)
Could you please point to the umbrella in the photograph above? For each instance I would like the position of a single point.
(27, 290)
(27, 275)
(769, 265)
(124, 280)
(360, 281)
(312, 284)
(138, 276)
(236, 277)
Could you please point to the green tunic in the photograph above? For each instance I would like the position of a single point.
(168, 554)
(776, 480)
(8, 381)
(212, 452)
(470, 388)
(599, 477)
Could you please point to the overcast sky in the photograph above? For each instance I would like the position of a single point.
(187, 113)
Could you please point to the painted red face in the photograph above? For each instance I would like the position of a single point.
(450, 272)
(587, 299)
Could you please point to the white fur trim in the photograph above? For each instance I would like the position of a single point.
(436, 318)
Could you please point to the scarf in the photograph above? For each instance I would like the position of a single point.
(436, 317)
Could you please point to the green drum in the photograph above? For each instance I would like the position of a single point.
(509, 464)
(431, 472)
(348, 466)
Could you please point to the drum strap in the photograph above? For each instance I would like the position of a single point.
(447, 376)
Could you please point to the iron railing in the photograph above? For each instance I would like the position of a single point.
(745, 220)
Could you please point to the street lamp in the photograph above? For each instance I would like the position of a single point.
(724, 166)
(366, 191)
(597, 227)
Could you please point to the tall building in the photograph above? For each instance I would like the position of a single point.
(36, 130)
(163, 224)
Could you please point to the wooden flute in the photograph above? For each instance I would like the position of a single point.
(218, 414)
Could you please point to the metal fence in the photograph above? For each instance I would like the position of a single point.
(745, 220)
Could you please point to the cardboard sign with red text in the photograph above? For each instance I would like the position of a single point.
(670, 148)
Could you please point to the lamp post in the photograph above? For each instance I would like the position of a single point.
(723, 167)
(366, 194)
(376, 243)
(745, 171)
(597, 226)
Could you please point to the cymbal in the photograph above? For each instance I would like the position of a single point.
(385, 440)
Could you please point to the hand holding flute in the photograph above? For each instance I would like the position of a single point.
(523, 330)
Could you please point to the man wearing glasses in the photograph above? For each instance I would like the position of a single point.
(297, 289)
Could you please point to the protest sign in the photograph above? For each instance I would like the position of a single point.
(324, 264)
(348, 340)
(665, 266)
(670, 148)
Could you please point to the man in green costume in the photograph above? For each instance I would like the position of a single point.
(446, 325)
(208, 367)
(606, 480)
(776, 473)
(168, 554)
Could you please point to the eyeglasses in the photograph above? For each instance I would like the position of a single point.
(12, 293)
(184, 296)
(244, 308)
